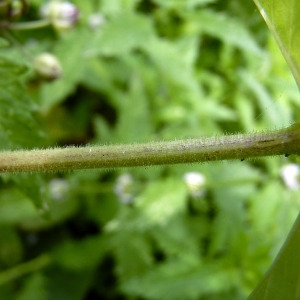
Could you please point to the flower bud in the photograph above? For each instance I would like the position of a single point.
(16, 10)
(124, 188)
(96, 20)
(59, 189)
(62, 15)
(47, 66)
(195, 182)
(290, 175)
(11, 10)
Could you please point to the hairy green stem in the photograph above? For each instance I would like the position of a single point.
(285, 141)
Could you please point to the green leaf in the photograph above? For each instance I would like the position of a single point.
(73, 255)
(274, 112)
(134, 257)
(62, 284)
(181, 4)
(18, 128)
(3, 43)
(228, 30)
(34, 288)
(155, 202)
(124, 32)
(133, 110)
(283, 20)
(11, 246)
(72, 64)
(111, 7)
(235, 183)
(15, 68)
(22, 211)
(183, 280)
(283, 278)
(33, 186)
(16, 211)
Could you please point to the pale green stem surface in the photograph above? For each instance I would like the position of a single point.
(285, 141)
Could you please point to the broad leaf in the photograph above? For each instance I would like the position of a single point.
(282, 19)
(121, 34)
(17, 126)
(184, 280)
(283, 279)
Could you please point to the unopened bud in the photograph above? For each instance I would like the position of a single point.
(124, 188)
(59, 189)
(196, 183)
(62, 15)
(47, 66)
(96, 20)
(11, 10)
(16, 9)
(290, 175)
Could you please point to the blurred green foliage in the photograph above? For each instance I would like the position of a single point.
(154, 70)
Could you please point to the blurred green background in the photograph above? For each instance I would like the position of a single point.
(135, 71)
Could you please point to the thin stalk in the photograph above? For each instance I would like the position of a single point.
(279, 142)
(24, 268)
(29, 25)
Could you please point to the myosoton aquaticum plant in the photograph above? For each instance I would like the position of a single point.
(163, 85)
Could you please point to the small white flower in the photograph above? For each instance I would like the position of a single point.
(47, 66)
(96, 20)
(62, 15)
(196, 183)
(58, 188)
(291, 176)
(124, 188)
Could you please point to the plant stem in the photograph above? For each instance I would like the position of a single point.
(24, 268)
(285, 141)
(29, 25)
